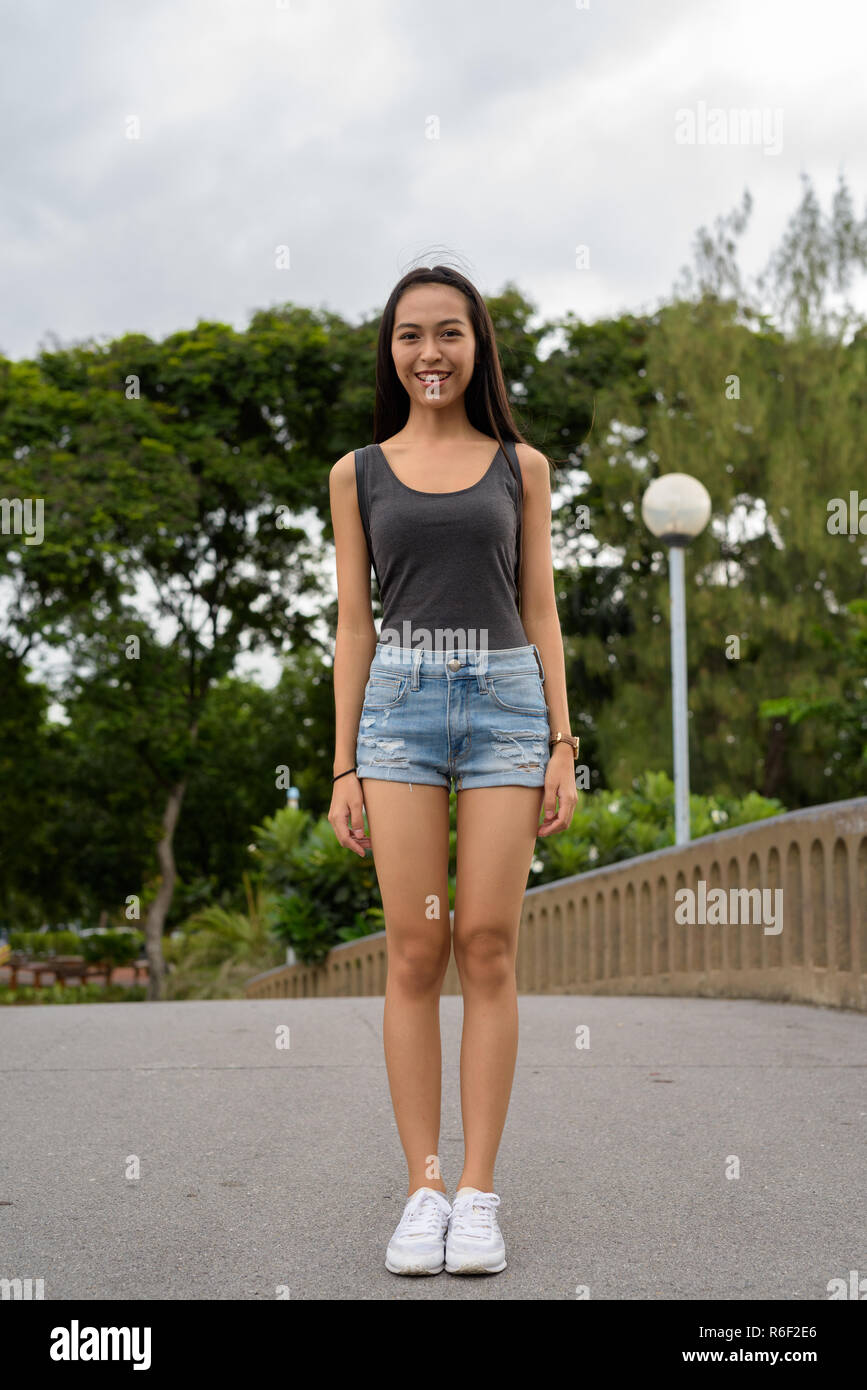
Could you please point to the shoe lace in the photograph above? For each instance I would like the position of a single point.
(473, 1214)
(422, 1216)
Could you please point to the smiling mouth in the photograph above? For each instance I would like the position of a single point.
(428, 377)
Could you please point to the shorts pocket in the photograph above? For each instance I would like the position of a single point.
(520, 692)
(384, 692)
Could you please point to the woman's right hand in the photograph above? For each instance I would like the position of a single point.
(347, 814)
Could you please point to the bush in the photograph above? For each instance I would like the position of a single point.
(43, 944)
(65, 943)
(324, 894)
(216, 950)
(112, 947)
(301, 924)
(609, 826)
(72, 994)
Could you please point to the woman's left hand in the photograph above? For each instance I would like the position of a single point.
(559, 787)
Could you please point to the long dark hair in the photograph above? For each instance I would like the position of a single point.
(485, 400)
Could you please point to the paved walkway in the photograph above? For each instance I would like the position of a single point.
(263, 1168)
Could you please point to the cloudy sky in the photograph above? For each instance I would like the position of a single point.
(155, 155)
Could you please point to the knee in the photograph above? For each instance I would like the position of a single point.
(485, 955)
(417, 966)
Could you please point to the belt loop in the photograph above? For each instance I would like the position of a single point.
(416, 662)
(539, 662)
(481, 668)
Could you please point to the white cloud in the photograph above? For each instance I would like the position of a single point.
(305, 125)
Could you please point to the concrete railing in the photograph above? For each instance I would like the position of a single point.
(791, 922)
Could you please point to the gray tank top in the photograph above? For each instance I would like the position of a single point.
(447, 563)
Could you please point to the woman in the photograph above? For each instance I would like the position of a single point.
(455, 689)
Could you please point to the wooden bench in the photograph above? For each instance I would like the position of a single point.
(65, 968)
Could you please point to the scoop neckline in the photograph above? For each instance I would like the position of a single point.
(456, 492)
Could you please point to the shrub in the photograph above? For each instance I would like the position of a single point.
(323, 894)
(72, 994)
(609, 826)
(112, 947)
(42, 944)
(215, 951)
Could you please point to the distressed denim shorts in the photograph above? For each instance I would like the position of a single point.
(475, 718)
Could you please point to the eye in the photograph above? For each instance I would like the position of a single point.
(410, 334)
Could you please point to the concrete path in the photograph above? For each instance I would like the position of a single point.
(263, 1168)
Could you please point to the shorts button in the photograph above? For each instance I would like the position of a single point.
(454, 664)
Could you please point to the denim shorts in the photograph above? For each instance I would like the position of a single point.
(475, 718)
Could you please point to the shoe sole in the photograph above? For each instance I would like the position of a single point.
(475, 1268)
(412, 1268)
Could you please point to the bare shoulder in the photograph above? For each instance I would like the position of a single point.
(343, 471)
(535, 469)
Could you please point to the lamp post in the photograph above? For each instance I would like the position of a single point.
(293, 802)
(676, 508)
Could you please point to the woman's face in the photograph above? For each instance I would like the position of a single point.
(433, 344)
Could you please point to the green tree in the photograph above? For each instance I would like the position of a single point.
(168, 472)
(845, 712)
(771, 424)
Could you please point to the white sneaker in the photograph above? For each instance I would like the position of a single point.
(418, 1244)
(474, 1244)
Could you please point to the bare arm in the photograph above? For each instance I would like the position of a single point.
(542, 626)
(538, 600)
(356, 633)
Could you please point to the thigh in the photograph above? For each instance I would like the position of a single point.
(409, 837)
(496, 834)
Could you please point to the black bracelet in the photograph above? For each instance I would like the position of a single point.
(344, 774)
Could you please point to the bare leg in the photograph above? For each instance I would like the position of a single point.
(497, 829)
(409, 836)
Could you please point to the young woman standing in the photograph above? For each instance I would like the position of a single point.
(454, 689)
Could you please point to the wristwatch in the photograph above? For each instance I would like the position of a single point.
(566, 738)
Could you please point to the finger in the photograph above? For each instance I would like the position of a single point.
(563, 820)
(552, 796)
(345, 836)
(358, 835)
(558, 824)
(550, 803)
